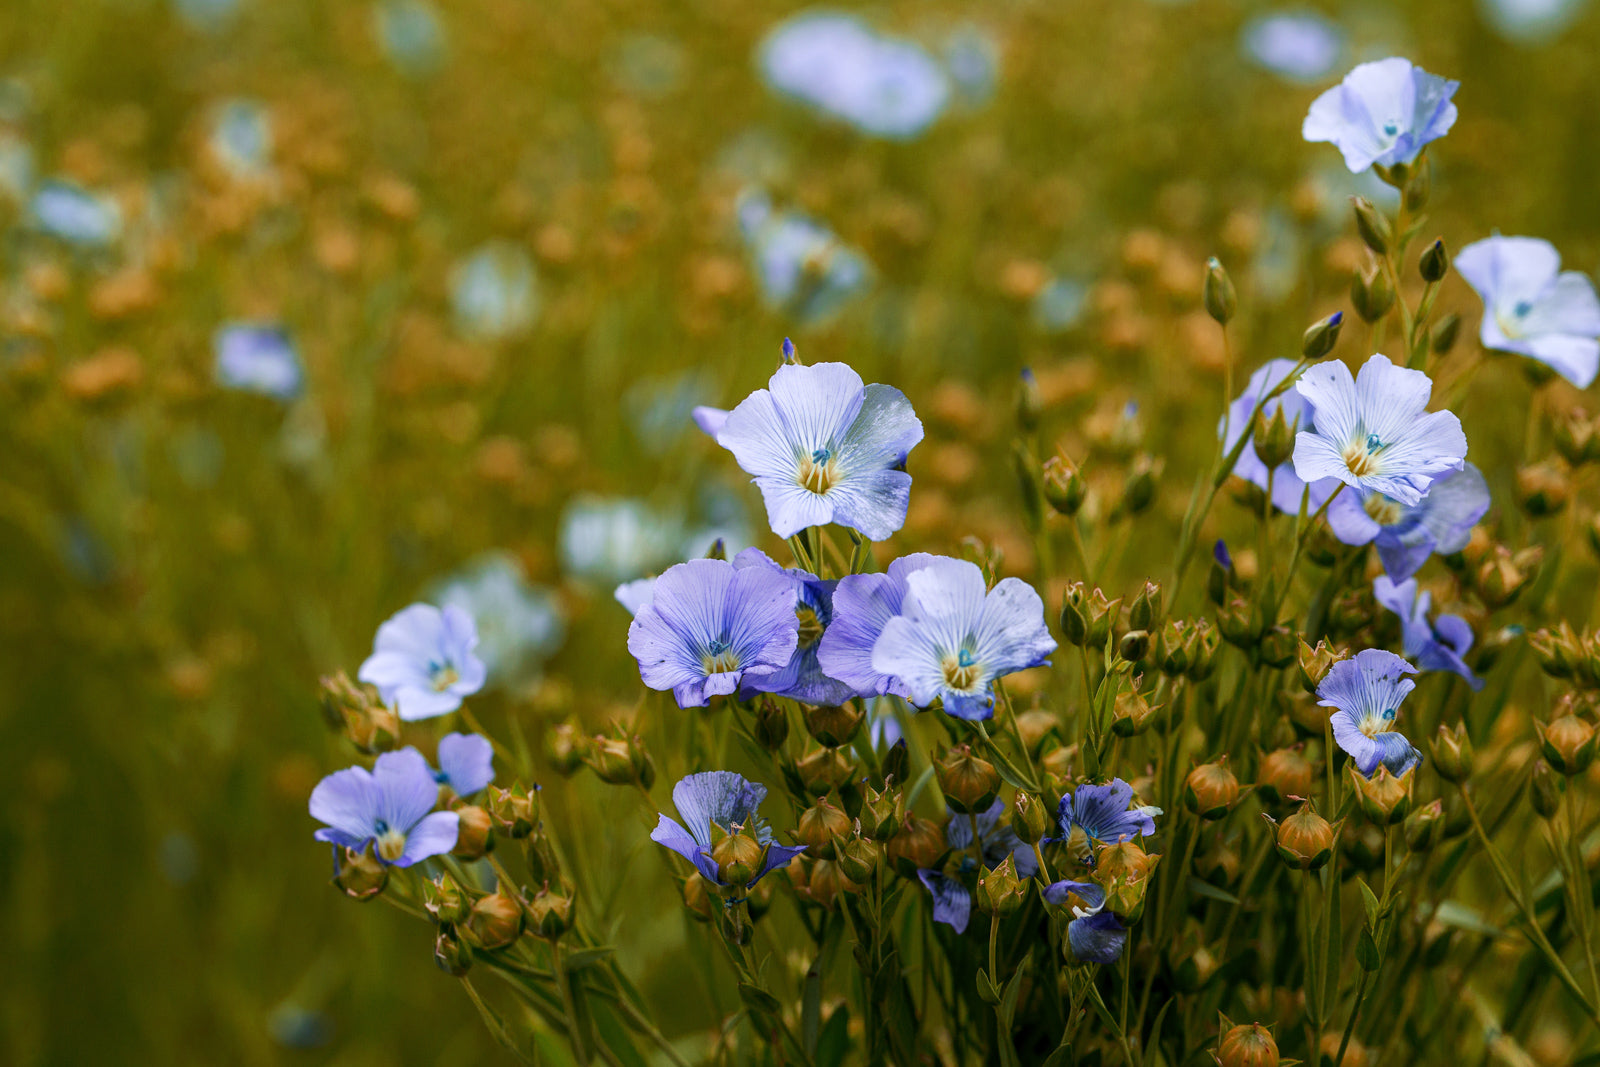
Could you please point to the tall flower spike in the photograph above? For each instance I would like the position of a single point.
(709, 627)
(724, 800)
(1406, 535)
(423, 663)
(802, 678)
(391, 806)
(825, 448)
(863, 604)
(1533, 307)
(953, 640)
(1435, 646)
(1384, 112)
(1365, 693)
(1375, 432)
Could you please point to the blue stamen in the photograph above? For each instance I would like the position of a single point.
(719, 646)
(1373, 444)
(1390, 129)
(821, 455)
(964, 658)
(381, 826)
(1522, 308)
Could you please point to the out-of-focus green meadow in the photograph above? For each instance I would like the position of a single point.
(179, 561)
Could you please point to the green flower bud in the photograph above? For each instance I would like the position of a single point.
(824, 770)
(819, 825)
(1543, 489)
(1452, 753)
(969, 782)
(1131, 714)
(697, 897)
(1305, 839)
(1418, 187)
(1249, 1045)
(494, 922)
(881, 813)
(1371, 295)
(445, 900)
(1568, 743)
(1220, 300)
(1074, 620)
(565, 747)
(359, 713)
(1285, 774)
(1211, 789)
(1101, 615)
(453, 958)
(999, 891)
(917, 846)
(515, 810)
(772, 724)
(1544, 790)
(1277, 648)
(475, 836)
(1435, 262)
(549, 914)
(1145, 608)
(1384, 799)
(1424, 827)
(1316, 662)
(1171, 654)
(1134, 645)
(1029, 818)
(1064, 486)
(1321, 336)
(858, 858)
(1372, 225)
(358, 873)
(739, 856)
(1030, 404)
(1442, 338)
(1272, 437)
(1139, 490)
(833, 726)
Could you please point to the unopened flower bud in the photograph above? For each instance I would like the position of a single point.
(1201, 648)
(738, 855)
(895, 762)
(818, 825)
(1277, 647)
(1064, 487)
(1544, 790)
(494, 922)
(1305, 839)
(515, 811)
(1024, 466)
(833, 726)
(824, 770)
(444, 899)
(1134, 645)
(1543, 489)
(358, 712)
(1101, 614)
(1131, 714)
(1218, 293)
(1220, 576)
(1424, 827)
(1029, 818)
(1139, 490)
(1372, 225)
(999, 891)
(1384, 799)
(1285, 774)
(1171, 655)
(1452, 753)
(918, 845)
(697, 897)
(1435, 262)
(1247, 1045)
(968, 781)
(1568, 743)
(1371, 295)
(1573, 433)
(1074, 617)
(565, 746)
(1272, 437)
(1211, 789)
(1144, 610)
(1500, 579)
(1124, 869)
(1321, 336)
(858, 858)
(453, 957)
(1442, 338)
(358, 873)
(1030, 404)
(1418, 186)
(881, 813)
(1316, 662)
(549, 913)
(476, 834)
(772, 724)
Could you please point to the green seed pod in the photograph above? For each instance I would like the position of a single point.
(1371, 224)
(1435, 262)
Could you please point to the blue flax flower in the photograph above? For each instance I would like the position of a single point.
(392, 806)
(1099, 815)
(952, 899)
(71, 213)
(825, 448)
(635, 594)
(1434, 646)
(1297, 46)
(802, 678)
(1384, 112)
(258, 359)
(710, 627)
(726, 800)
(423, 662)
(1094, 934)
(803, 269)
(863, 604)
(1406, 535)
(1365, 693)
(519, 624)
(1532, 307)
(953, 639)
(1375, 432)
(1287, 488)
(466, 763)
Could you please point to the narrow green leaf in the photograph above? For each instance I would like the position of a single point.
(1206, 889)
(757, 999)
(584, 958)
(1370, 899)
(834, 1044)
(811, 1011)
(1454, 913)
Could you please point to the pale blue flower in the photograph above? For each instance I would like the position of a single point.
(411, 36)
(635, 594)
(1060, 305)
(883, 86)
(258, 358)
(803, 678)
(423, 662)
(1434, 646)
(1300, 46)
(1531, 21)
(863, 604)
(727, 801)
(466, 763)
(66, 211)
(801, 267)
(1099, 815)
(1383, 113)
(1376, 433)
(823, 447)
(390, 806)
(1365, 692)
(518, 624)
(953, 639)
(1287, 488)
(607, 539)
(494, 292)
(972, 59)
(16, 167)
(710, 627)
(1532, 307)
(241, 138)
(1406, 536)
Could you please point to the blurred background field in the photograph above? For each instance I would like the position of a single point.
(479, 260)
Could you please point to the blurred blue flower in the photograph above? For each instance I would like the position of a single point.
(16, 167)
(952, 900)
(257, 359)
(1060, 305)
(1406, 536)
(802, 268)
(1094, 934)
(710, 627)
(1301, 46)
(836, 63)
(411, 36)
(725, 800)
(207, 15)
(953, 639)
(825, 448)
(1365, 692)
(972, 59)
(1287, 488)
(422, 661)
(1532, 307)
(803, 678)
(241, 138)
(494, 292)
(66, 211)
(295, 1027)
(518, 624)
(1099, 815)
(392, 805)
(1434, 646)
(1376, 433)
(863, 604)
(1531, 21)
(610, 539)
(1384, 112)
(466, 763)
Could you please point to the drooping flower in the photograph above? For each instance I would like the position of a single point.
(1533, 307)
(391, 805)
(825, 448)
(953, 639)
(710, 627)
(803, 678)
(952, 897)
(1298, 46)
(1365, 692)
(1375, 432)
(1406, 536)
(1094, 934)
(258, 359)
(423, 662)
(466, 763)
(727, 801)
(1099, 815)
(883, 86)
(1384, 112)
(1287, 488)
(1435, 646)
(518, 624)
(863, 604)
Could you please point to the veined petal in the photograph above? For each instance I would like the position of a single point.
(434, 835)
(1097, 938)
(818, 403)
(872, 502)
(407, 790)
(952, 903)
(466, 761)
(884, 430)
(907, 651)
(777, 856)
(348, 802)
(1331, 391)
(1574, 358)
(720, 797)
(1348, 518)
(1058, 893)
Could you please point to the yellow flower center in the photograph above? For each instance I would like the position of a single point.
(960, 670)
(719, 658)
(818, 472)
(810, 625)
(1361, 455)
(391, 843)
(1384, 512)
(444, 677)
